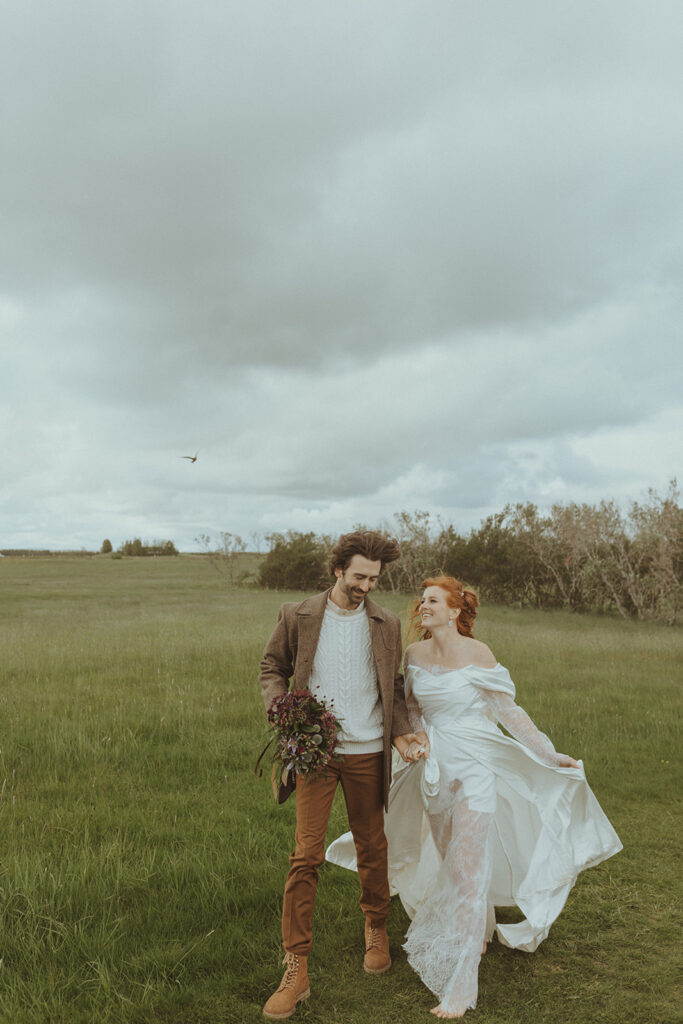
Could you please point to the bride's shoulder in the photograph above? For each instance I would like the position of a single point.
(410, 654)
(410, 649)
(481, 656)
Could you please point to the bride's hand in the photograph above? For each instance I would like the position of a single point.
(565, 761)
(412, 746)
(416, 751)
(421, 741)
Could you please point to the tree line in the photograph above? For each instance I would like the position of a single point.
(135, 548)
(585, 558)
(130, 548)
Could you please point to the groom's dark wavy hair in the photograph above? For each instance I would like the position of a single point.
(373, 546)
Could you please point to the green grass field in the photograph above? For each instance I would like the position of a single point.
(142, 864)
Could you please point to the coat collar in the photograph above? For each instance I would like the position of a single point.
(316, 606)
(374, 610)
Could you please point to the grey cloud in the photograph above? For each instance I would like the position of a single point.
(259, 201)
(362, 257)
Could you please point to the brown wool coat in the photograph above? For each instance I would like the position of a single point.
(291, 649)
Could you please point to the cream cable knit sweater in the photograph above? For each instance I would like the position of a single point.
(344, 672)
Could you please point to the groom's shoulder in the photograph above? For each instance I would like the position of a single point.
(309, 605)
(378, 611)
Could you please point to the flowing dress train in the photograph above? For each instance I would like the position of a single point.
(486, 820)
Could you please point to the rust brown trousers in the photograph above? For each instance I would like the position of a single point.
(361, 780)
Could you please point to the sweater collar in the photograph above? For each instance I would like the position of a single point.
(344, 613)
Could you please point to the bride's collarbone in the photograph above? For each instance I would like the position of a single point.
(472, 654)
(435, 667)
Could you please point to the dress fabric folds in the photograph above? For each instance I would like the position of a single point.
(486, 820)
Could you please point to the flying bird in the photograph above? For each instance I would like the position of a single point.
(192, 458)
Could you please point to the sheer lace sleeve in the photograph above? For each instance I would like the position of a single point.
(519, 725)
(417, 723)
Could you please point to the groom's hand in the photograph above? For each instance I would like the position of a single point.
(412, 746)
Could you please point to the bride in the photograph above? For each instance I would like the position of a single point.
(480, 820)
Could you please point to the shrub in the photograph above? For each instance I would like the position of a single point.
(296, 561)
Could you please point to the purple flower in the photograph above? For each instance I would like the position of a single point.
(305, 730)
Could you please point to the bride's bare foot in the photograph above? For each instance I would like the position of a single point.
(483, 948)
(439, 1012)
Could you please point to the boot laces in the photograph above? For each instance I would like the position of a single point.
(292, 962)
(373, 938)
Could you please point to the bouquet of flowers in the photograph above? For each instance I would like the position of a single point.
(306, 735)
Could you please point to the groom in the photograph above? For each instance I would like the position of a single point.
(343, 648)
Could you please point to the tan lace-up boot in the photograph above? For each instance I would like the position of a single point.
(377, 958)
(293, 988)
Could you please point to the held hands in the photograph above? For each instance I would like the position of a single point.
(412, 746)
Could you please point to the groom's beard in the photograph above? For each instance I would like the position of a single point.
(353, 595)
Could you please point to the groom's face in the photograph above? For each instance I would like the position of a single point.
(358, 579)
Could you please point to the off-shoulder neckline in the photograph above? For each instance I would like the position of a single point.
(446, 670)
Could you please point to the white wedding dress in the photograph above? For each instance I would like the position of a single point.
(484, 821)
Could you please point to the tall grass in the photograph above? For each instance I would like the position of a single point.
(142, 864)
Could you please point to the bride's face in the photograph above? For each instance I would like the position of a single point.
(434, 610)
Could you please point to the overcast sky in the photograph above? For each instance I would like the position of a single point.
(363, 256)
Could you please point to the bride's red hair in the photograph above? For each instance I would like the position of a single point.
(457, 596)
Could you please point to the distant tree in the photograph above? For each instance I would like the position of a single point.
(256, 540)
(424, 547)
(106, 547)
(659, 525)
(136, 549)
(223, 553)
(132, 548)
(493, 560)
(295, 561)
(633, 561)
(554, 554)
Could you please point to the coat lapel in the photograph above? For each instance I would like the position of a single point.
(310, 619)
(380, 649)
